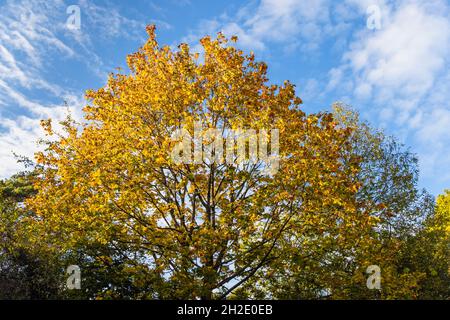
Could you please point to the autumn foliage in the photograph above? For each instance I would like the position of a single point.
(111, 199)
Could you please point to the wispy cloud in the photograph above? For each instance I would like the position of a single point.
(400, 75)
(397, 76)
(292, 23)
(34, 39)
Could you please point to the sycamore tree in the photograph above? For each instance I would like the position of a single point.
(201, 227)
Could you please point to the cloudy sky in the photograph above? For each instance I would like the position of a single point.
(390, 60)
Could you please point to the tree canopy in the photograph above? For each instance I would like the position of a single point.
(109, 196)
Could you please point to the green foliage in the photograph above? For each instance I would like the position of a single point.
(25, 272)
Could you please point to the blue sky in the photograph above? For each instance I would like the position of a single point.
(390, 60)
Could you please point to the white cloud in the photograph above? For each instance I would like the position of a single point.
(293, 23)
(404, 56)
(401, 72)
(282, 20)
(33, 35)
(20, 135)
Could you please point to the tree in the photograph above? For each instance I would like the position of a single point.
(25, 272)
(29, 270)
(398, 211)
(389, 191)
(196, 229)
(431, 252)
